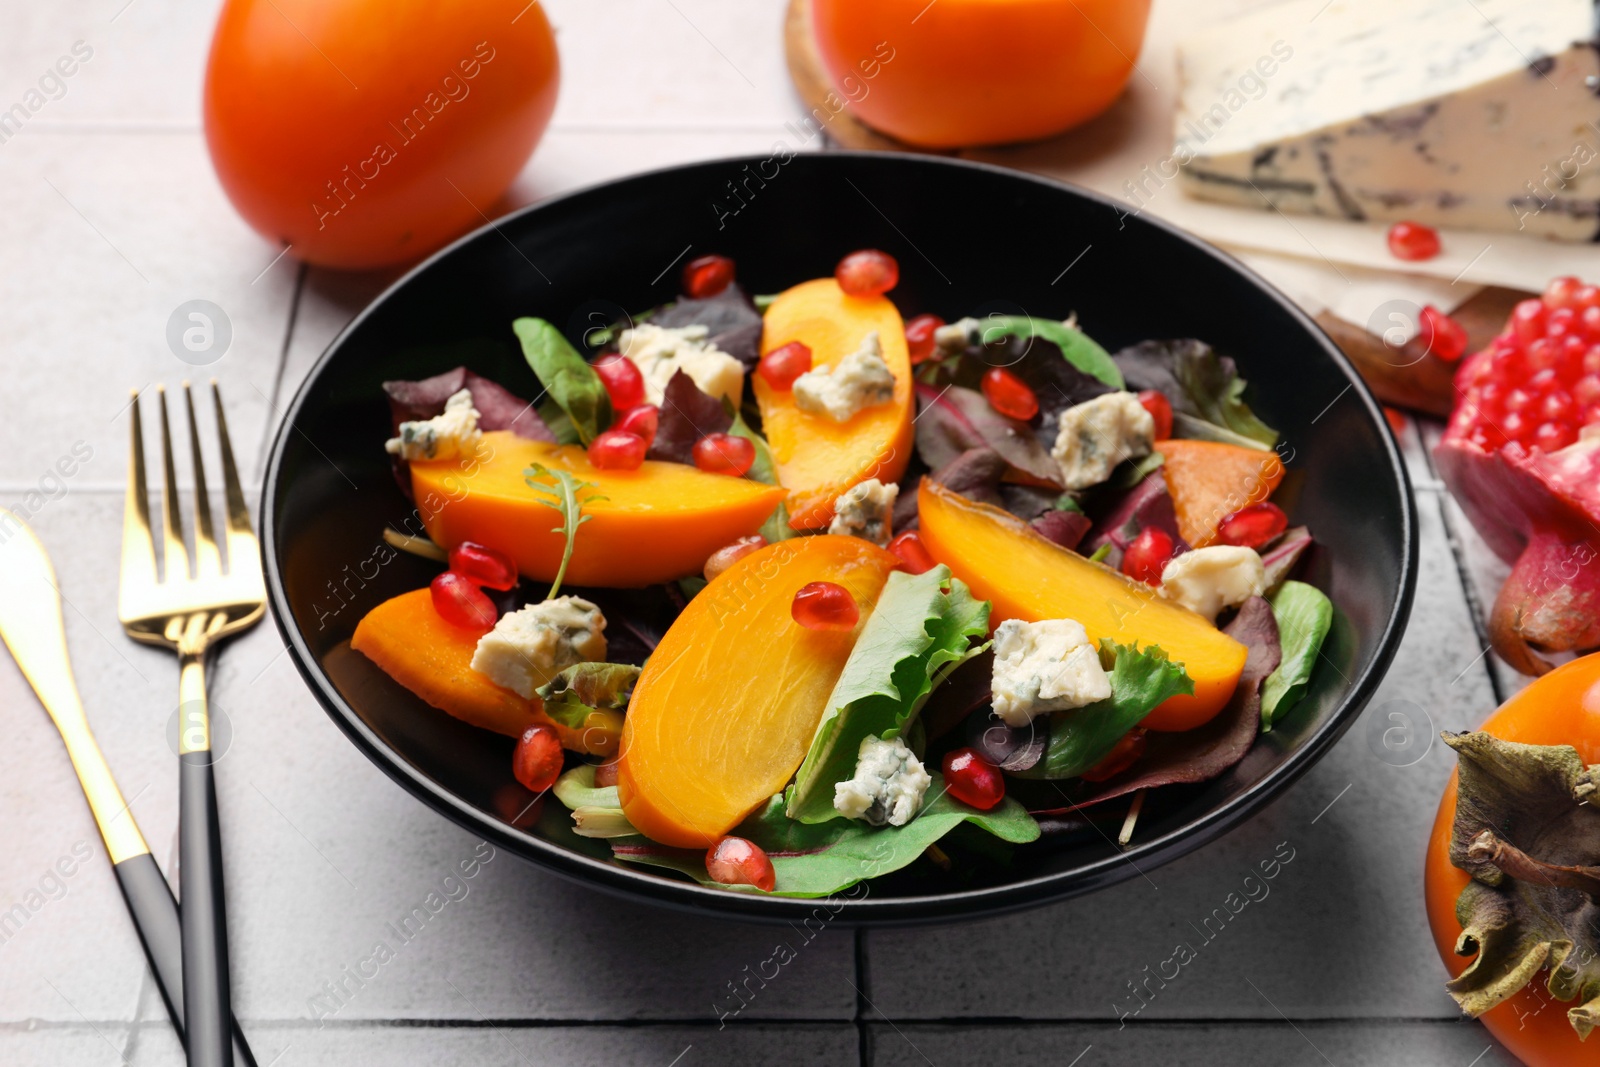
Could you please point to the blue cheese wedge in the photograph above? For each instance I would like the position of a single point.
(866, 510)
(1478, 114)
(527, 647)
(1206, 580)
(1044, 666)
(662, 351)
(860, 380)
(888, 786)
(449, 435)
(1096, 435)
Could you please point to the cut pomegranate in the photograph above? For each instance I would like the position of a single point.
(735, 861)
(1129, 747)
(1009, 395)
(969, 778)
(460, 603)
(867, 273)
(483, 566)
(1160, 409)
(1147, 555)
(728, 555)
(1252, 525)
(724, 453)
(919, 336)
(707, 276)
(642, 422)
(825, 606)
(1413, 241)
(1562, 292)
(622, 379)
(617, 450)
(913, 553)
(1441, 335)
(536, 763)
(780, 367)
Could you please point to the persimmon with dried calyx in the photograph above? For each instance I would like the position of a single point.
(729, 701)
(1512, 873)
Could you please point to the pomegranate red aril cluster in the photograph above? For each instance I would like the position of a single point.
(458, 594)
(623, 381)
(1538, 382)
(707, 276)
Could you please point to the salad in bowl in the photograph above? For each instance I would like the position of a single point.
(786, 593)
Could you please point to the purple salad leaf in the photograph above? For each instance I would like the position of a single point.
(498, 408)
(1279, 561)
(1011, 748)
(975, 474)
(954, 419)
(1146, 504)
(687, 414)
(1065, 528)
(733, 322)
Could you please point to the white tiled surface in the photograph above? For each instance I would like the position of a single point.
(113, 218)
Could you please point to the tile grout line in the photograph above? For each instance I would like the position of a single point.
(268, 426)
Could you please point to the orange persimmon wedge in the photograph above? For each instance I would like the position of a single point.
(657, 523)
(1029, 578)
(416, 647)
(1210, 480)
(818, 458)
(727, 705)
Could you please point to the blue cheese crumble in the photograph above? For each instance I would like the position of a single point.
(661, 351)
(860, 380)
(1044, 666)
(865, 510)
(448, 435)
(526, 648)
(888, 786)
(1206, 580)
(1098, 434)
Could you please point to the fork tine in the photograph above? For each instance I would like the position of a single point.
(138, 548)
(242, 551)
(207, 562)
(177, 556)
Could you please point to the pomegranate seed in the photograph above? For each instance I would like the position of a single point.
(728, 555)
(1252, 525)
(1442, 335)
(1160, 409)
(825, 606)
(1506, 364)
(972, 780)
(1147, 555)
(1561, 322)
(784, 364)
(483, 566)
(1413, 241)
(1591, 321)
(1518, 400)
(642, 422)
(1516, 426)
(1557, 406)
(735, 861)
(1129, 747)
(1009, 395)
(1552, 436)
(617, 450)
(606, 774)
(536, 763)
(1527, 320)
(1591, 361)
(724, 453)
(1492, 394)
(912, 552)
(1562, 292)
(1587, 296)
(1541, 354)
(624, 384)
(919, 336)
(460, 603)
(1587, 391)
(867, 273)
(1570, 363)
(707, 276)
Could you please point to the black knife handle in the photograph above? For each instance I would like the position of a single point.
(155, 916)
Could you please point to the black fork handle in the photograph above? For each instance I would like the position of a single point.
(155, 916)
(206, 993)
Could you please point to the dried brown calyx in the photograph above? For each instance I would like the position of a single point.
(1527, 834)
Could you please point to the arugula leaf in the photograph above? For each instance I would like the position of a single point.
(765, 469)
(913, 639)
(1304, 614)
(1080, 738)
(1077, 348)
(566, 377)
(561, 492)
(576, 693)
(820, 860)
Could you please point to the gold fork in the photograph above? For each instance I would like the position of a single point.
(189, 614)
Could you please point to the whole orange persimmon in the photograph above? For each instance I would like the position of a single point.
(1560, 708)
(366, 133)
(955, 73)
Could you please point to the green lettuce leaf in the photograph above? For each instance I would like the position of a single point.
(1081, 737)
(569, 381)
(917, 634)
(573, 694)
(765, 469)
(1304, 614)
(1213, 383)
(1076, 346)
(818, 860)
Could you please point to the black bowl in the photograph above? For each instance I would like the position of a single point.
(970, 239)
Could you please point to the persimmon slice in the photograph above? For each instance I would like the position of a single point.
(1210, 480)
